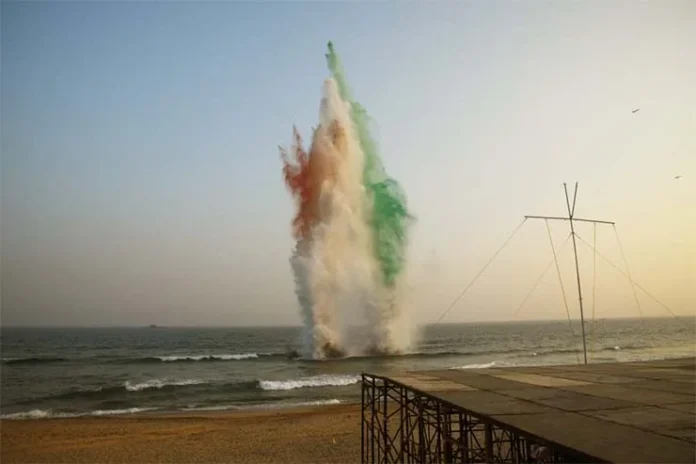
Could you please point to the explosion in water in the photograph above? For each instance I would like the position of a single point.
(350, 227)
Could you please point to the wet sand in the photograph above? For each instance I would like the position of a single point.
(306, 435)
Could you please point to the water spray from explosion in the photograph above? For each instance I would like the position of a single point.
(350, 226)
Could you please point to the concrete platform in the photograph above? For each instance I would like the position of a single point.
(618, 412)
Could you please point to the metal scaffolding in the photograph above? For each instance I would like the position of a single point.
(403, 425)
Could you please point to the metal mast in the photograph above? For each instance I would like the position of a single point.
(571, 218)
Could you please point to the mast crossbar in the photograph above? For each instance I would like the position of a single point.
(569, 219)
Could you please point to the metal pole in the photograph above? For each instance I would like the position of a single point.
(373, 401)
(575, 196)
(385, 419)
(577, 266)
(363, 453)
(403, 395)
(421, 431)
(488, 432)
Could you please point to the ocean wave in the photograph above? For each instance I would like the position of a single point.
(284, 405)
(415, 354)
(32, 360)
(114, 412)
(159, 384)
(252, 356)
(33, 414)
(49, 414)
(476, 366)
(311, 403)
(195, 358)
(212, 357)
(145, 388)
(543, 352)
(557, 351)
(292, 356)
(309, 382)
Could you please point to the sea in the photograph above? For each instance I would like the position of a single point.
(117, 371)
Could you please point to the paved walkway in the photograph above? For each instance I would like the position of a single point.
(618, 412)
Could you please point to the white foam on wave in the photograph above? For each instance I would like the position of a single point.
(157, 383)
(33, 414)
(49, 414)
(237, 357)
(113, 412)
(201, 357)
(313, 403)
(236, 407)
(475, 366)
(221, 407)
(308, 382)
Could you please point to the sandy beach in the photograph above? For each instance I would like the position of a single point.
(319, 434)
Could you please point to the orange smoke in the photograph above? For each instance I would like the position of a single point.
(297, 177)
(306, 173)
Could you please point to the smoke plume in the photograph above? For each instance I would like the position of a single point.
(351, 228)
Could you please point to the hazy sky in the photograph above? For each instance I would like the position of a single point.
(141, 181)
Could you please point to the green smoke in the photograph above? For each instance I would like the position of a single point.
(390, 215)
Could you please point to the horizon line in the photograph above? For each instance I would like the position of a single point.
(299, 326)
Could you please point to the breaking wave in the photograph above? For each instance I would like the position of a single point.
(236, 407)
(291, 356)
(196, 358)
(475, 366)
(159, 384)
(32, 360)
(119, 391)
(48, 413)
(33, 414)
(308, 382)
(143, 389)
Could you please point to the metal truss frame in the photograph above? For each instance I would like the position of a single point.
(402, 424)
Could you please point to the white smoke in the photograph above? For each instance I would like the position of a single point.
(391, 330)
(334, 266)
(300, 270)
(336, 271)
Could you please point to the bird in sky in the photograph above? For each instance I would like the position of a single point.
(635, 110)
(678, 177)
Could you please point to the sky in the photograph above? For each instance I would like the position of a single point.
(141, 180)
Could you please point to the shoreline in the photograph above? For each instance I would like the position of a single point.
(22, 416)
(328, 433)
